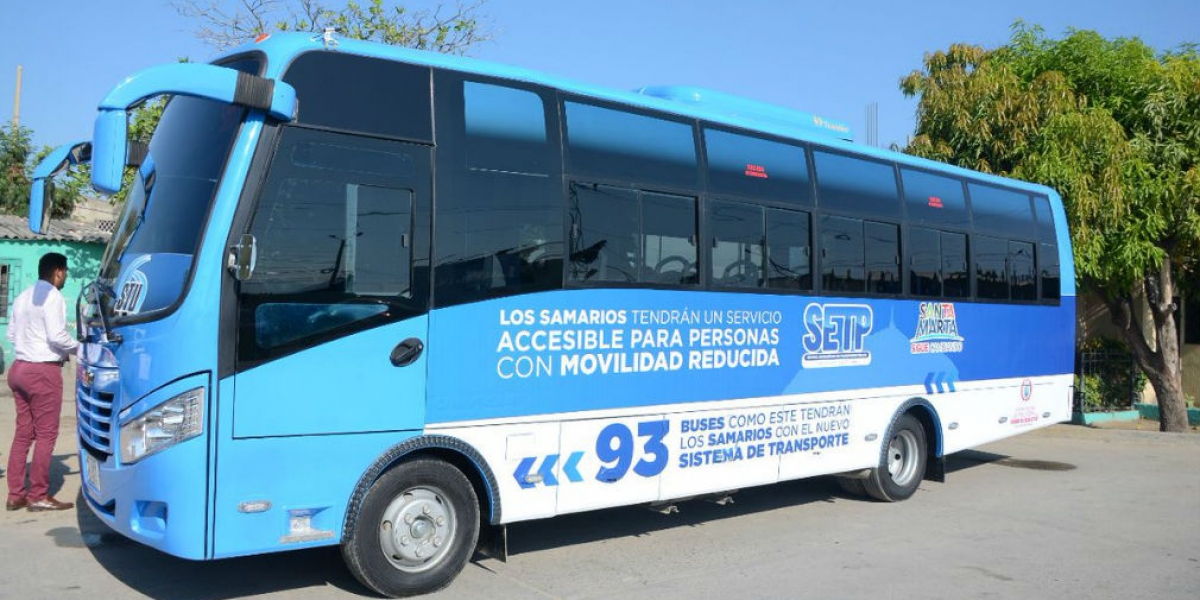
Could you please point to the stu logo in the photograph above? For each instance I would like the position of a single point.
(836, 335)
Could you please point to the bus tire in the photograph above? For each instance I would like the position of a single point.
(901, 462)
(415, 529)
(852, 487)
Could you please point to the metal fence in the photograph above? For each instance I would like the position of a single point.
(1107, 381)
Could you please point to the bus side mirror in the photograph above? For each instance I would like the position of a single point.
(43, 194)
(243, 256)
(109, 150)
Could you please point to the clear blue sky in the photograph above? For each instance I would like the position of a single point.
(830, 58)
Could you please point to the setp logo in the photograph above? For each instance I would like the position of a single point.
(836, 335)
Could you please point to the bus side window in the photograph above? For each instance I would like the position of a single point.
(789, 250)
(605, 245)
(1049, 272)
(618, 144)
(934, 199)
(499, 215)
(925, 275)
(737, 244)
(334, 228)
(956, 280)
(855, 185)
(1021, 273)
(991, 271)
(842, 255)
(669, 239)
(882, 257)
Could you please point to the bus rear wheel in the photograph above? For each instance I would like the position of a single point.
(901, 463)
(415, 530)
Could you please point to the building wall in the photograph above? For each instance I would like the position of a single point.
(21, 258)
(1094, 321)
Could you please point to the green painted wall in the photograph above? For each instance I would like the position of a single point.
(21, 257)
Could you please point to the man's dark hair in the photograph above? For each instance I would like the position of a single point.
(50, 262)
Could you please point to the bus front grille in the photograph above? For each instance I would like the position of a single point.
(95, 412)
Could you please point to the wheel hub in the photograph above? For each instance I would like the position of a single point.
(415, 529)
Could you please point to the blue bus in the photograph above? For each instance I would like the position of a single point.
(391, 300)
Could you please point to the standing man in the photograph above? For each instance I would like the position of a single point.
(41, 344)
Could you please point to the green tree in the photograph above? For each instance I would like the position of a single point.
(17, 161)
(1112, 125)
(449, 30)
(16, 148)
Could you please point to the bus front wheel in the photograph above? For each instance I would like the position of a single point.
(901, 463)
(415, 529)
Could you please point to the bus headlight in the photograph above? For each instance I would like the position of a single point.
(178, 419)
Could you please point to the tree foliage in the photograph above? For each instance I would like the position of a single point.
(448, 30)
(1114, 126)
(17, 161)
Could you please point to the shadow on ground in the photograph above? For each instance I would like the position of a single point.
(164, 577)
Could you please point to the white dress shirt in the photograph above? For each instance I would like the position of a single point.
(38, 325)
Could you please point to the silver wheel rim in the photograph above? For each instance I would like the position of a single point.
(417, 529)
(902, 457)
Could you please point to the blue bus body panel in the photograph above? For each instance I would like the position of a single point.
(161, 500)
(498, 359)
(344, 386)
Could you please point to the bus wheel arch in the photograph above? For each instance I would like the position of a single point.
(909, 453)
(414, 519)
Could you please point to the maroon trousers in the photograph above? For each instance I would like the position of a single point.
(38, 393)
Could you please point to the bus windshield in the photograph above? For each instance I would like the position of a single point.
(149, 260)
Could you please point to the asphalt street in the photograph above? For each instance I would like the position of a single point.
(1062, 513)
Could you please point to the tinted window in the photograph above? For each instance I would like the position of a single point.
(842, 255)
(933, 198)
(506, 129)
(1000, 211)
(669, 239)
(856, 185)
(622, 145)
(1045, 220)
(991, 272)
(605, 245)
(357, 93)
(956, 280)
(334, 241)
(789, 254)
(737, 246)
(499, 215)
(924, 262)
(1021, 273)
(747, 166)
(937, 264)
(1048, 266)
(883, 258)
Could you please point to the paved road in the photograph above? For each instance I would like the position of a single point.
(1062, 513)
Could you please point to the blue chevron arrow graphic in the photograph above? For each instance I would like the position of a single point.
(547, 470)
(938, 380)
(950, 383)
(571, 467)
(929, 383)
(522, 472)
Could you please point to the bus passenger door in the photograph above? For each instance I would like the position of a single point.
(332, 322)
(331, 327)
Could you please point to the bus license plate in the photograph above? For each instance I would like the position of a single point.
(93, 472)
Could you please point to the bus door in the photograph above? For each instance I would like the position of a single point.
(332, 321)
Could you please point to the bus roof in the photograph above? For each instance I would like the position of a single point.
(686, 101)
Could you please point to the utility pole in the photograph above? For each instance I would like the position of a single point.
(17, 101)
(873, 124)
